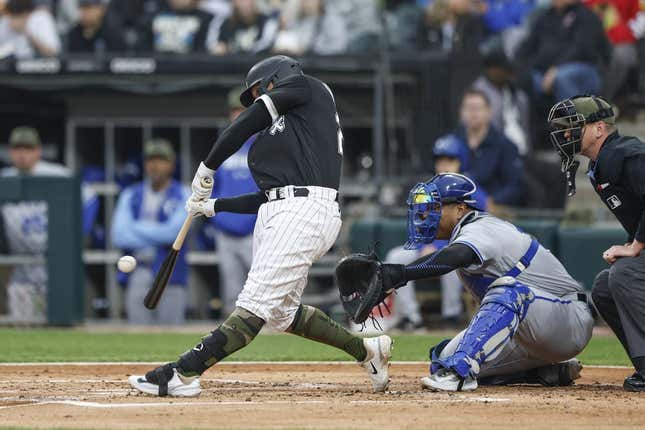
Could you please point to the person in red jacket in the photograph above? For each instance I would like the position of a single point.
(620, 19)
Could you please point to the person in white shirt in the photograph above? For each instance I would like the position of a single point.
(27, 31)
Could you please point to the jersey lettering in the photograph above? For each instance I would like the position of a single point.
(278, 126)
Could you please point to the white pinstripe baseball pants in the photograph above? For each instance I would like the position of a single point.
(289, 235)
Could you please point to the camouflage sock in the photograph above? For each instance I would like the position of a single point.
(313, 324)
(237, 331)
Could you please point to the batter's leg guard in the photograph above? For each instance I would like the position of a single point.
(314, 324)
(504, 306)
(237, 331)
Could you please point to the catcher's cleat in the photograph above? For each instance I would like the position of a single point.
(559, 374)
(552, 375)
(377, 361)
(166, 381)
(447, 380)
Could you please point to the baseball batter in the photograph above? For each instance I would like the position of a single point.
(296, 163)
(533, 316)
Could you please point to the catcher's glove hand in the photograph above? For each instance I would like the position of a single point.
(365, 282)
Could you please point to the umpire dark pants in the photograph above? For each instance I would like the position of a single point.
(619, 296)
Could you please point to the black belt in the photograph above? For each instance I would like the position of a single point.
(582, 297)
(297, 192)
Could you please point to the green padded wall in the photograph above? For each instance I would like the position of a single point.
(581, 248)
(391, 233)
(362, 235)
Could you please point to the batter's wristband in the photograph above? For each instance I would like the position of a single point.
(202, 170)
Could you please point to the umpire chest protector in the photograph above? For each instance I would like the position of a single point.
(610, 180)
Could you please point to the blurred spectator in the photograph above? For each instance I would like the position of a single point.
(179, 27)
(362, 21)
(27, 31)
(146, 220)
(451, 155)
(234, 232)
(494, 161)
(67, 14)
(134, 17)
(564, 51)
(247, 30)
(451, 26)
(500, 15)
(507, 22)
(618, 17)
(406, 306)
(25, 227)
(509, 104)
(402, 20)
(309, 27)
(94, 33)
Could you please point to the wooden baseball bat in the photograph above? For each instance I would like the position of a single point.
(168, 266)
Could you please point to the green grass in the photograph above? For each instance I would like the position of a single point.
(52, 345)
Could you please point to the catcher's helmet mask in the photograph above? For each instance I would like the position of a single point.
(268, 71)
(425, 203)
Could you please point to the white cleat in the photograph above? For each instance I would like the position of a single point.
(177, 386)
(446, 380)
(377, 361)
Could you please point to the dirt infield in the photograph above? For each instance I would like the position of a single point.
(311, 396)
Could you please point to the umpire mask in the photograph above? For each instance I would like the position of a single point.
(424, 214)
(565, 131)
(566, 123)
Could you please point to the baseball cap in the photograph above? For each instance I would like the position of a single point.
(234, 98)
(159, 148)
(594, 109)
(24, 136)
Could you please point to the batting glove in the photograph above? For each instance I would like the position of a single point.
(199, 188)
(201, 207)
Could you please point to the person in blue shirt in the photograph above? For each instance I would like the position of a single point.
(146, 221)
(501, 15)
(494, 161)
(234, 232)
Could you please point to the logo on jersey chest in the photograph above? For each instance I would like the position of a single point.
(614, 202)
(278, 126)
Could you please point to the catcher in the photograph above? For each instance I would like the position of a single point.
(533, 319)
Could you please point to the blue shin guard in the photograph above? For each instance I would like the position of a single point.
(503, 308)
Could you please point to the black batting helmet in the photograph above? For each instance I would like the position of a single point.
(267, 71)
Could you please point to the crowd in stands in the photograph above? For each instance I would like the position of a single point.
(321, 27)
(533, 52)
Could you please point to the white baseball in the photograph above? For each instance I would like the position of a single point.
(126, 264)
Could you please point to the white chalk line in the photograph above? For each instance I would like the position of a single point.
(250, 363)
(174, 403)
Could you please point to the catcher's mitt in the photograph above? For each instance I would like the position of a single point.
(365, 282)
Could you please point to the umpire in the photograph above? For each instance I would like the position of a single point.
(587, 125)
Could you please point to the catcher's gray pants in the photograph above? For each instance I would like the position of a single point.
(555, 329)
(171, 309)
(235, 255)
(619, 296)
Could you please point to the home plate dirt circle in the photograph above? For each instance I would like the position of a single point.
(304, 396)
